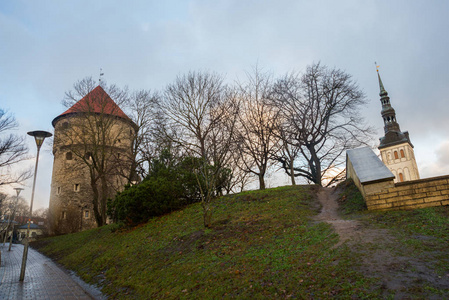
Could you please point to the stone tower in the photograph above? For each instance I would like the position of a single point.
(92, 161)
(395, 147)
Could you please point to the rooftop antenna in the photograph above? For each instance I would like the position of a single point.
(101, 74)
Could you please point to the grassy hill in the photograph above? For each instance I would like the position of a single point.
(263, 244)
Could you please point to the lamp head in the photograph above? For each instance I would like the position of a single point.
(39, 137)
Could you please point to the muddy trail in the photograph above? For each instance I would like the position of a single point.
(402, 273)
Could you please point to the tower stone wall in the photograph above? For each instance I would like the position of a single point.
(85, 136)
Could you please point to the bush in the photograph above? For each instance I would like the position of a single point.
(170, 186)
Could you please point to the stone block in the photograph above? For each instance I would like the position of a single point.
(406, 192)
(445, 202)
(442, 187)
(431, 194)
(444, 192)
(375, 202)
(388, 195)
(380, 207)
(372, 197)
(435, 198)
(425, 189)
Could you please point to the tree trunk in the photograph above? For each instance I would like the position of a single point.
(207, 214)
(97, 214)
(104, 198)
(261, 182)
(292, 172)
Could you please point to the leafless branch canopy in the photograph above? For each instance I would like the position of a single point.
(321, 119)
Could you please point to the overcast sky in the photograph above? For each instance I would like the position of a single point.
(45, 46)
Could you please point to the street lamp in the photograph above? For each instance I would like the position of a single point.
(39, 137)
(18, 190)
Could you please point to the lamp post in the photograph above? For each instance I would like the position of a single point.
(39, 137)
(18, 190)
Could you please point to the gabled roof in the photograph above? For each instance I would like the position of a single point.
(96, 101)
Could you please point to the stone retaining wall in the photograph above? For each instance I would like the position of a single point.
(408, 195)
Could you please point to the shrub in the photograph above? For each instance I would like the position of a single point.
(170, 186)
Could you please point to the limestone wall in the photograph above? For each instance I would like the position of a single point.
(408, 195)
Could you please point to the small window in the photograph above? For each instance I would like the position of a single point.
(401, 177)
(118, 155)
(88, 155)
(58, 190)
(396, 156)
(118, 140)
(68, 156)
(402, 153)
(76, 187)
(86, 214)
(64, 215)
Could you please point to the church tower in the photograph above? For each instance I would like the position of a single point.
(395, 147)
(92, 150)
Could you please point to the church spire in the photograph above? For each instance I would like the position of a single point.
(393, 134)
(383, 92)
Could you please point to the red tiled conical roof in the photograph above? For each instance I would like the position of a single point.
(96, 101)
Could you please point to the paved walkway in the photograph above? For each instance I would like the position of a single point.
(43, 278)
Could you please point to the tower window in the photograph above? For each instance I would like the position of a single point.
(58, 190)
(76, 187)
(88, 155)
(402, 153)
(396, 156)
(68, 156)
(64, 215)
(401, 177)
(86, 214)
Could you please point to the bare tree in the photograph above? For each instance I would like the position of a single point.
(322, 120)
(12, 151)
(143, 107)
(256, 138)
(200, 114)
(100, 137)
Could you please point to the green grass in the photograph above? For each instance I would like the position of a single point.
(422, 236)
(263, 244)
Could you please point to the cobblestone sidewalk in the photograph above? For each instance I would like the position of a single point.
(43, 278)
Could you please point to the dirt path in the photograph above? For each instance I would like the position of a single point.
(348, 230)
(402, 273)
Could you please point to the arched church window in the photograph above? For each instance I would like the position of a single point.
(401, 177)
(69, 156)
(402, 153)
(396, 156)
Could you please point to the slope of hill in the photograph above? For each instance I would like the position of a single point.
(263, 244)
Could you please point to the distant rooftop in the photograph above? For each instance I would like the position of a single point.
(368, 166)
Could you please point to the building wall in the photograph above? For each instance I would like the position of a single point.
(71, 207)
(404, 164)
(409, 195)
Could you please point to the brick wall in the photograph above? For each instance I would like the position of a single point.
(408, 195)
